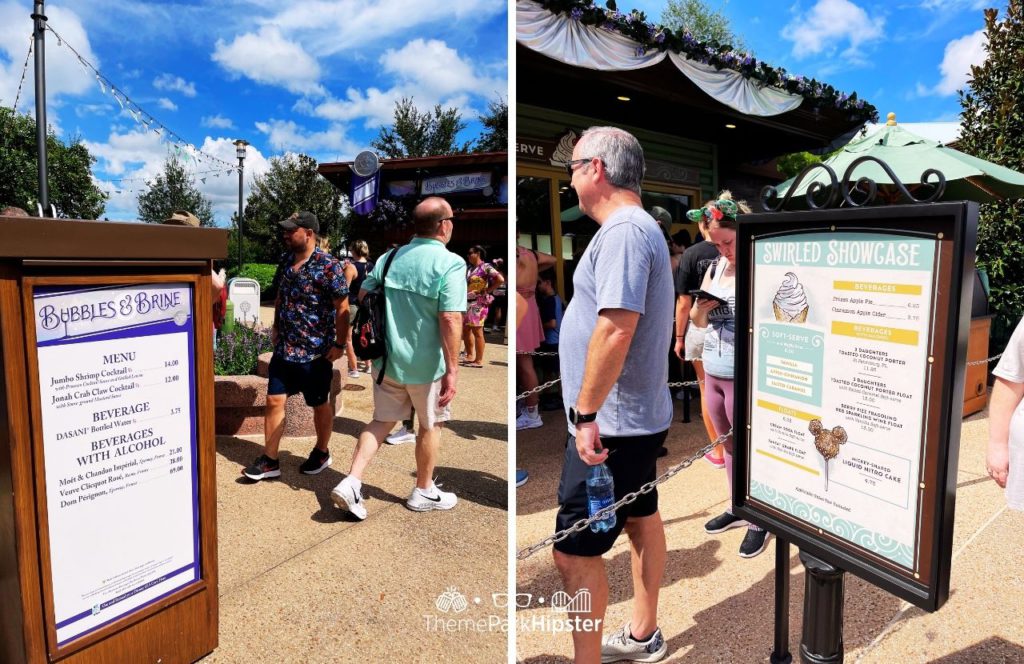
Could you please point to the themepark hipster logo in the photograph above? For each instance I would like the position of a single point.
(455, 613)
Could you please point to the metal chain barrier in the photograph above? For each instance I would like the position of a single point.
(582, 524)
(986, 361)
(539, 388)
(689, 383)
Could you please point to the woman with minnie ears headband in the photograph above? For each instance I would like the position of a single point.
(718, 355)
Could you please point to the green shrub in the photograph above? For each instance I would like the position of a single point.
(237, 351)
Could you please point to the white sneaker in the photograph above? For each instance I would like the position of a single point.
(529, 420)
(347, 497)
(353, 373)
(424, 501)
(401, 436)
(622, 647)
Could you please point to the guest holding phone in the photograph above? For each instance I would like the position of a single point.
(719, 349)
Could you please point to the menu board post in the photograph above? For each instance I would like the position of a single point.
(107, 452)
(850, 364)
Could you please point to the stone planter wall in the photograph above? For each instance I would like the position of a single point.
(240, 401)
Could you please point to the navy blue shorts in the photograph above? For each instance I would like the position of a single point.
(313, 379)
(633, 462)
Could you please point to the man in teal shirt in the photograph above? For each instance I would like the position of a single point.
(425, 294)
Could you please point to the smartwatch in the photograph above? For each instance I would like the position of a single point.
(576, 417)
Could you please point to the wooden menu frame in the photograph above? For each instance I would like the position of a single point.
(181, 626)
(953, 227)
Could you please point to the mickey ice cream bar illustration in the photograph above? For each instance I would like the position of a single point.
(827, 442)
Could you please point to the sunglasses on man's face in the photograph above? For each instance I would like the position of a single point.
(569, 165)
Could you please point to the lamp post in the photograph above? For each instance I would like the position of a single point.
(39, 34)
(240, 153)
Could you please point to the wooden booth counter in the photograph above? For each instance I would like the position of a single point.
(108, 526)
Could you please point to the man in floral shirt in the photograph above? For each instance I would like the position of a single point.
(310, 331)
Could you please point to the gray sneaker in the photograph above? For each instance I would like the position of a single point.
(622, 647)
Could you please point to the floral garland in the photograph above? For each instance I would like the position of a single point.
(652, 37)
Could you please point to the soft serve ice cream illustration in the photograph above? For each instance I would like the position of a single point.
(790, 303)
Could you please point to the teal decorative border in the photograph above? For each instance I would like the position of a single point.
(901, 554)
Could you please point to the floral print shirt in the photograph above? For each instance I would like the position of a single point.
(305, 305)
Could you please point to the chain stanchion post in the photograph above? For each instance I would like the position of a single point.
(822, 638)
(781, 653)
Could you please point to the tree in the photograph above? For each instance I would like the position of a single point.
(418, 134)
(495, 122)
(704, 23)
(992, 128)
(69, 170)
(791, 164)
(291, 184)
(174, 189)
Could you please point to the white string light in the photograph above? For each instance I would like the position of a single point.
(140, 115)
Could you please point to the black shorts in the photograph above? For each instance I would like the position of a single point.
(313, 379)
(633, 462)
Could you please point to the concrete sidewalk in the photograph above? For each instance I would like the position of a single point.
(718, 607)
(301, 581)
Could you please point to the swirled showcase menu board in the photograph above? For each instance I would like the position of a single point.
(841, 325)
(117, 397)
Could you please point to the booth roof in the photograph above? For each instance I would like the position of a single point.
(340, 173)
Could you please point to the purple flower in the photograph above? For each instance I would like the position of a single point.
(659, 38)
(576, 13)
(639, 51)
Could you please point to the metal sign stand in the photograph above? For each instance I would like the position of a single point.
(822, 629)
(781, 653)
(822, 638)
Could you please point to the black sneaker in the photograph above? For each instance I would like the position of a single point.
(722, 523)
(317, 461)
(754, 542)
(263, 468)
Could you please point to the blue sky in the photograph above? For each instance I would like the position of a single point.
(318, 77)
(907, 56)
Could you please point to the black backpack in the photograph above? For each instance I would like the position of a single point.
(369, 337)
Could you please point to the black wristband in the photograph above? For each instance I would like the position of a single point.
(341, 346)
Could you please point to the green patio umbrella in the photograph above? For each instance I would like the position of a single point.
(910, 157)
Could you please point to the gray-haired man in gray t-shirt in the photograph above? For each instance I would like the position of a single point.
(614, 374)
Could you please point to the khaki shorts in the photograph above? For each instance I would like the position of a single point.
(393, 402)
(353, 309)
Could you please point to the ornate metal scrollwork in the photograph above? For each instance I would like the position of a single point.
(872, 191)
(770, 192)
(842, 191)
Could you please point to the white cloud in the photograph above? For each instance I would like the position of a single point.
(85, 110)
(286, 135)
(136, 149)
(268, 57)
(333, 26)
(221, 188)
(830, 23)
(172, 83)
(217, 122)
(65, 75)
(957, 59)
(954, 5)
(128, 160)
(429, 72)
(167, 104)
(434, 65)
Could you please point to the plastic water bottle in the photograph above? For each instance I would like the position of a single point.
(600, 494)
